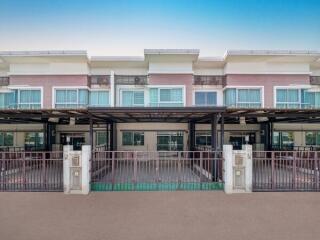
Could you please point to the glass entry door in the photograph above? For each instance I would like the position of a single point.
(74, 139)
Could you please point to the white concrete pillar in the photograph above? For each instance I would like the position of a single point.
(228, 168)
(248, 166)
(85, 157)
(66, 168)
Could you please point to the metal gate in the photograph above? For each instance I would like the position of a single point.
(31, 171)
(158, 170)
(286, 171)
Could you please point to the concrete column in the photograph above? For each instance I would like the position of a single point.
(248, 165)
(228, 168)
(85, 157)
(66, 167)
(76, 170)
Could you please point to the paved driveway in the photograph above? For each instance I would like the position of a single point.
(159, 215)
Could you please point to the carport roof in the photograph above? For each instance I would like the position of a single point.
(157, 114)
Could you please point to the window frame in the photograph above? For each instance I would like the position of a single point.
(78, 105)
(18, 89)
(3, 134)
(260, 88)
(161, 87)
(99, 90)
(205, 91)
(121, 90)
(299, 103)
(132, 138)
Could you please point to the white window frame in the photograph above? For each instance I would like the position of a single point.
(299, 88)
(66, 88)
(99, 90)
(121, 90)
(19, 88)
(207, 91)
(159, 87)
(261, 88)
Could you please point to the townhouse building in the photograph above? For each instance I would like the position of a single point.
(167, 100)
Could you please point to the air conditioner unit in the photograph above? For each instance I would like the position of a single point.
(138, 81)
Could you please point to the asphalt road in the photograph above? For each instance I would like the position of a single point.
(159, 215)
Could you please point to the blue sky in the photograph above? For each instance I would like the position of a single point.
(122, 27)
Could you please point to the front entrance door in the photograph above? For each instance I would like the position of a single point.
(74, 139)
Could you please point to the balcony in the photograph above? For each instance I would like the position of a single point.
(101, 80)
(4, 81)
(131, 80)
(209, 80)
(315, 80)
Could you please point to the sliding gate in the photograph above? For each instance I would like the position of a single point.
(158, 170)
(31, 171)
(286, 171)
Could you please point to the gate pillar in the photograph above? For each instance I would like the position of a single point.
(76, 170)
(237, 169)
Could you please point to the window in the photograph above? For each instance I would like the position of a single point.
(166, 97)
(132, 98)
(132, 138)
(313, 138)
(71, 98)
(99, 99)
(8, 100)
(34, 141)
(297, 98)
(205, 98)
(101, 138)
(203, 139)
(6, 139)
(283, 140)
(244, 98)
(29, 99)
(170, 141)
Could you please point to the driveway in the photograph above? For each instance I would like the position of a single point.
(159, 215)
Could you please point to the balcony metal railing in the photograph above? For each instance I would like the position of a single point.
(209, 80)
(131, 80)
(99, 80)
(315, 80)
(4, 81)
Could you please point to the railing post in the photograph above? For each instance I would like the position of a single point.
(135, 168)
(157, 167)
(44, 171)
(294, 170)
(272, 171)
(112, 169)
(316, 170)
(24, 171)
(179, 170)
(201, 169)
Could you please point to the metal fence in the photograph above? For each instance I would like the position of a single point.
(158, 170)
(31, 171)
(286, 170)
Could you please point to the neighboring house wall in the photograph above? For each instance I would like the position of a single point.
(48, 82)
(174, 79)
(268, 81)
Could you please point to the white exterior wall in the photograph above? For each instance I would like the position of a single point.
(170, 68)
(266, 68)
(61, 68)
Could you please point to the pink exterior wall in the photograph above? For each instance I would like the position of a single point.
(268, 81)
(174, 79)
(48, 82)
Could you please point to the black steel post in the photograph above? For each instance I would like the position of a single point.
(191, 136)
(221, 132)
(214, 122)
